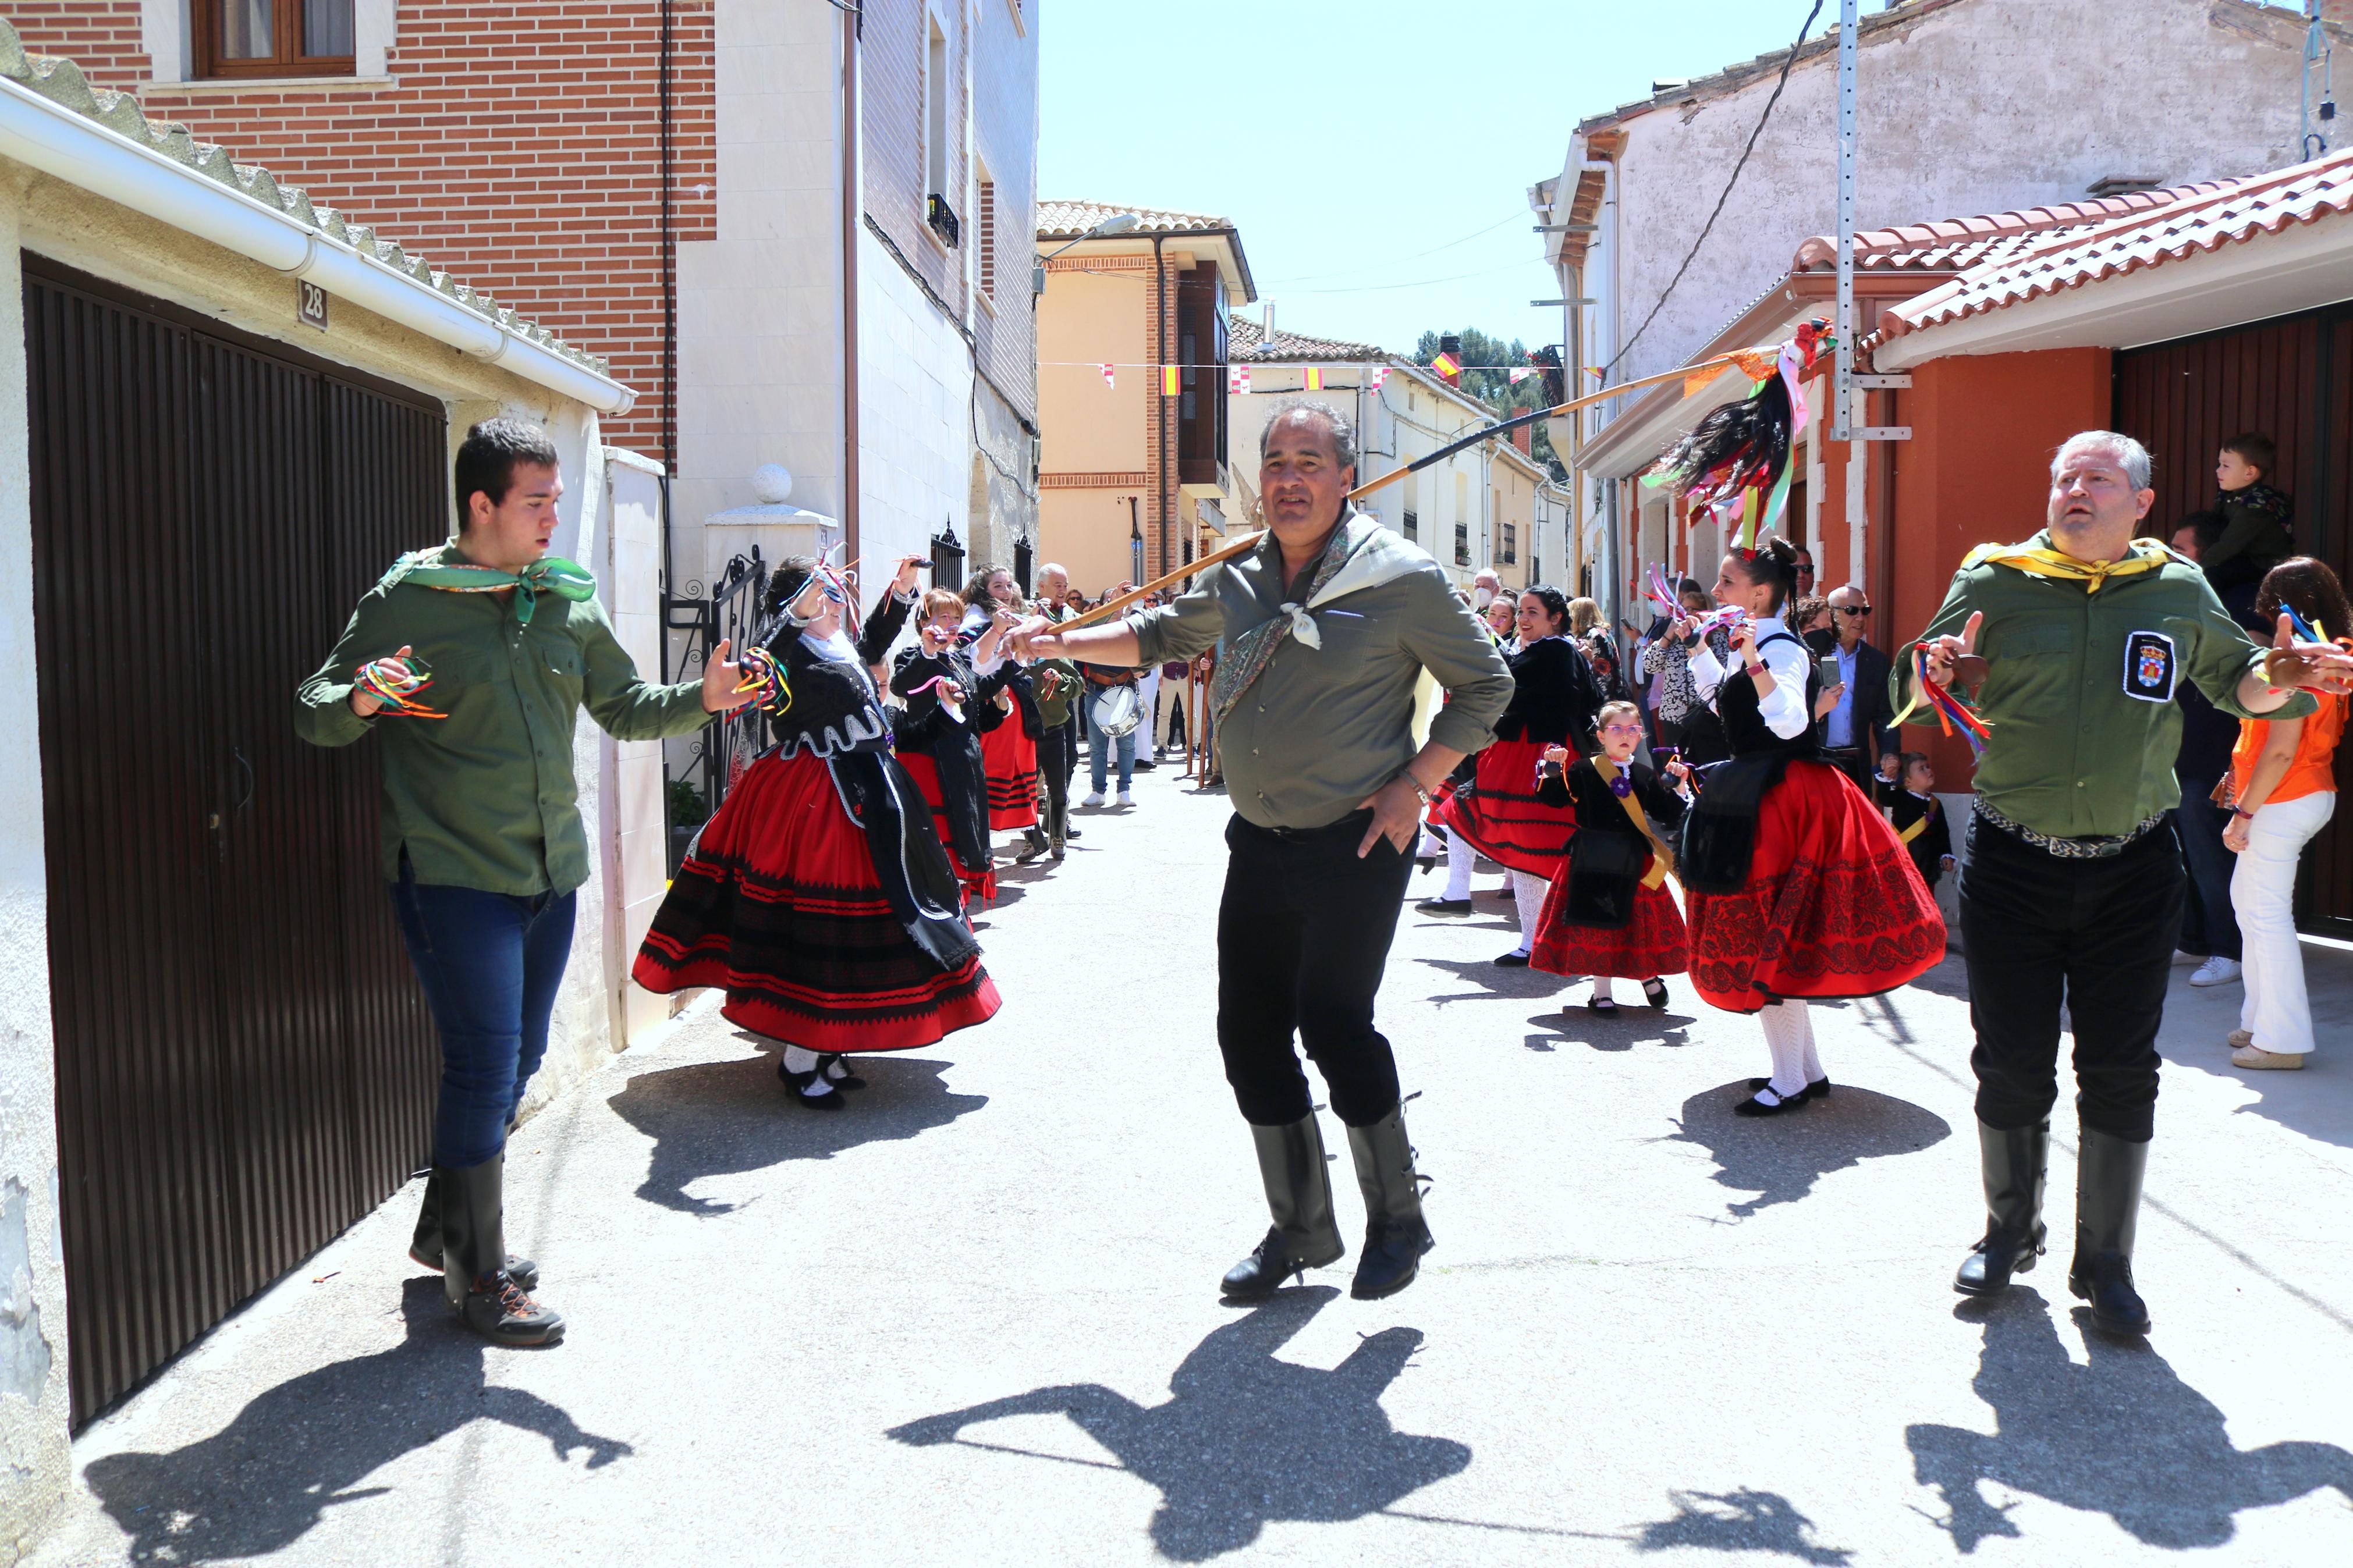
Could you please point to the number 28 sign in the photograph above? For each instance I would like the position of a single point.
(311, 304)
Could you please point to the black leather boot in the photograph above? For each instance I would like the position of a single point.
(473, 1252)
(2015, 1160)
(1395, 1235)
(1299, 1196)
(424, 1247)
(2108, 1175)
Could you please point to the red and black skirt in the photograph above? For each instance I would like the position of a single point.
(1498, 813)
(978, 884)
(780, 905)
(1652, 943)
(1011, 758)
(1832, 905)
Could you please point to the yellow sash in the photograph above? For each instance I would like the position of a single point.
(2036, 561)
(1663, 859)
(1913, 832)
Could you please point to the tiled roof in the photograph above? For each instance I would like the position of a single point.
(62, 83)
(2204, 218)
(1068, 220)
(1956, 245)
(1246, 343)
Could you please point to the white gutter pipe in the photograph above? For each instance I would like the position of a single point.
(57, 140)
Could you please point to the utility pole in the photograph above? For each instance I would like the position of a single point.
(1847, 417)
(2316, 60)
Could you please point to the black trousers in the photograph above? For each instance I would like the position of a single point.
(1303, 932)
(1058, 759)
(2097, 935)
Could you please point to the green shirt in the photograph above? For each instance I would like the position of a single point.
(1323, 728)
(486, 797)
(2072, 753)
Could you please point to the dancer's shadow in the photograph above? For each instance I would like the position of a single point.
(1742, 1520)
(1578, 1025)
(262, 1481)
(1248, 1438)
(2121, 1435)
(1494, 982)
(1779, 1158)
(714, 1119)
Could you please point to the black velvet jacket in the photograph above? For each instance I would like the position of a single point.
(1554, 696)
(1607, 853)
(828, 707)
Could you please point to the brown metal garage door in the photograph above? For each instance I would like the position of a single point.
(244, 1064)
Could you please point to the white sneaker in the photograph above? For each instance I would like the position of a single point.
(2216, 970)
(1094, 799)
(1125, 798)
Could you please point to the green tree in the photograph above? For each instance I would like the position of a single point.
(1486, 375)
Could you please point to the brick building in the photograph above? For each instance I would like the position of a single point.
(661, 181)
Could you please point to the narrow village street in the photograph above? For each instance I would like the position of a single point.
(974, 1317)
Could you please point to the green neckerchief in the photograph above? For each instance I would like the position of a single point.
(548, 574)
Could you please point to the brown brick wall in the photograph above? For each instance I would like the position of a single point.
(891, 55)
(538, 183)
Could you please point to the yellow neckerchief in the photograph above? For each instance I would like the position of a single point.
(2042, 560)
(1663, 859)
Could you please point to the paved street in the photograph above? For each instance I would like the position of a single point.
(972, 1320)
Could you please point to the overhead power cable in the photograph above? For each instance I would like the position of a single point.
(1628, 346)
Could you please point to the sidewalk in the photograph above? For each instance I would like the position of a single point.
(973, 1319)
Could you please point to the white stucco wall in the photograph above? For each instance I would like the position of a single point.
(914, 416)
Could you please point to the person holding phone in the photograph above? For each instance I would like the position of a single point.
(1855, 728)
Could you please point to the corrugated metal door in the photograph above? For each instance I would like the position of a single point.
(2291, 379)
(243, 1064)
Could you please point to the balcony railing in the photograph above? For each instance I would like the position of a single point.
(943, 219)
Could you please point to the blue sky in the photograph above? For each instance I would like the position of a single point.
(1399, 201)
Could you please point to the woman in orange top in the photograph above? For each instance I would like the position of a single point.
(2284, 790)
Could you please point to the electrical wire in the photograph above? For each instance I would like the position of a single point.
(1417, 255)
(1628, 346)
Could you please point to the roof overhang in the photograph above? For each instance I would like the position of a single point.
(2268, 275)
(1221, 246)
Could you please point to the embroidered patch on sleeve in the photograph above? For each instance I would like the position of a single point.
(2150, 666)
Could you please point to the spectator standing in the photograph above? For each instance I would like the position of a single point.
(1855, 731)
(1667, 661)
(2258, 518)
(1058, 687)
(1600, 649)
(2210, 929)
(2284, 788)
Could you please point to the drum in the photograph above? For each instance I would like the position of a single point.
(1117, 710)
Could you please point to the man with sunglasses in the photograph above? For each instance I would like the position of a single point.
(1804, 587)
(1855, 732)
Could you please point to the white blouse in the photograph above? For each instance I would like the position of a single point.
(1790, 661)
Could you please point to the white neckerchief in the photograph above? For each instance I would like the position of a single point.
(1376, 561)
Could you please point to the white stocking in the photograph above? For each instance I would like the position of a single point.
(1601, 988)
(1813, 1063)
(1459, 858)
(1785, 1037)
(1528, 892)
(798, 1059)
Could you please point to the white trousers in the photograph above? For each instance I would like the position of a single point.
(2262, 894)
(1147, 697)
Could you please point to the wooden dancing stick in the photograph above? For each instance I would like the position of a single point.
(1110, 607)
(1680, 373)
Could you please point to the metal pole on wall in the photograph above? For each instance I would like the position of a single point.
(1844, 417)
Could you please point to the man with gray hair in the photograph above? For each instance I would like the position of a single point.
(2071, 895)
(1321, 634)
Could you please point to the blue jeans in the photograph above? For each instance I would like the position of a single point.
(2210, 925)
(1099, 746)
(491, 964)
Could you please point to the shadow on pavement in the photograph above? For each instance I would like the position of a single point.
(266, 1478)
(1246, 1438)
(1743, 1521)
(715, 1118)
(1779, 1158)
(1578, 1025)
(1494, 982)
(2121, 1435)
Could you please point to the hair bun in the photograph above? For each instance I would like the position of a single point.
(1781, 549)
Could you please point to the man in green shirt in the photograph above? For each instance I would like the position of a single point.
(1321, 634)
(2075, 643)
(473, 660)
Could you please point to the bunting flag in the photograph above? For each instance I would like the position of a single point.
(1313, 375)
(1172, 381)
(1518, 376)
(1449, 368)
(1238, 379)
(1108, 379)
(1380, 375)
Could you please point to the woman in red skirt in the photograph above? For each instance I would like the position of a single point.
(1008, 752)
(1797, 887)
(818, 895)
(1497, 813)
(1609, 914)
(952, 708)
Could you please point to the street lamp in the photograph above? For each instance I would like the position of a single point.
(1119, 223)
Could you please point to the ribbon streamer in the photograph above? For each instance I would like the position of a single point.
(1949, 710)
(763, 676)
(399, 698)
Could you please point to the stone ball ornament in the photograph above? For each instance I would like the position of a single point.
(772, 484)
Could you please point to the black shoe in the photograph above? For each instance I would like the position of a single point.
(1027, 853)
(424, 1245)
(801, 1083)
(845, 1078)
(473, 1247)
(2108, 1172)
(1753, 1106)
(1143, 765)
(2015, 1162)
(1444, 906)
(1607, 1007)
(1290, 1166)
(1073, 833)
(1511, 961)
(1654, 991)
(1819, 1088)
(1395, 1236)
(1425, 863)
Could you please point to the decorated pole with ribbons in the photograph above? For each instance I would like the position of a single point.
(1110, 607)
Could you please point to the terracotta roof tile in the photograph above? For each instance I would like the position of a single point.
(1245, 345)
(1956, 245)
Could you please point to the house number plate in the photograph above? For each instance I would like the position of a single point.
(311, 304)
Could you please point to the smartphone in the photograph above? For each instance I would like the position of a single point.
(1829, 665)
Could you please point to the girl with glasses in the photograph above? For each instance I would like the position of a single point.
(1609, 914)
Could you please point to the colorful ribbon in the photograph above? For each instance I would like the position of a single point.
(1949, 710)
(399, 698)
(763, 676)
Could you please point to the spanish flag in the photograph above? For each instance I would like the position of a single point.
(1172, 380)
(1449, 368)
(1313, 375)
